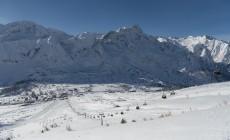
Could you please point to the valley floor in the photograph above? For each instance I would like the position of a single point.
(195, 113)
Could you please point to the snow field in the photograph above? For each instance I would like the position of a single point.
(200, 112)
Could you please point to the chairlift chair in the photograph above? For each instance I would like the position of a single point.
(217, 72)
(164, 96)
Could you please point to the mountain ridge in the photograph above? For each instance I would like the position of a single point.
(29, 51)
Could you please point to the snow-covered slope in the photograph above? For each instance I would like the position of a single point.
(195, 113)
(206, 45)
(32, 52)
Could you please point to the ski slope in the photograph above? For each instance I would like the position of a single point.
(195, 113)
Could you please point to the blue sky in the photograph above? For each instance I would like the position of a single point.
(157, 17)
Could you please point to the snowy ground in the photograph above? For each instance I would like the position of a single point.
(195, 113)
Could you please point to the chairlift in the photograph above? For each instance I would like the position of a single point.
(217, 72)
(172, 93)
(164, 96)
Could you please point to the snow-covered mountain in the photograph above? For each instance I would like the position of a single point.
(32, 52)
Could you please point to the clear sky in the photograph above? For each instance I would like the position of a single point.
(157, 17)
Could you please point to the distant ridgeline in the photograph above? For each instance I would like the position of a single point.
(31, 52)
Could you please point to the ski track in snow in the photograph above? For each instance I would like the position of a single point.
(200, 113)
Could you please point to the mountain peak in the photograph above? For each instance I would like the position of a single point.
(22, 23)
(209, 37)
(28, 30)
(135, 28)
